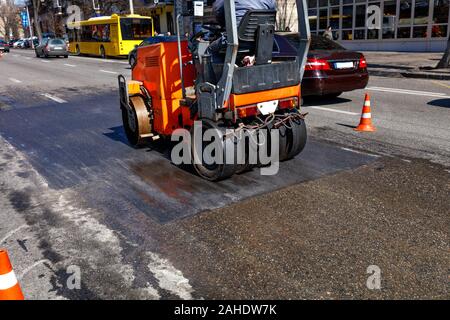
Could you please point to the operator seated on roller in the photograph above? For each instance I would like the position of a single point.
(242, 6)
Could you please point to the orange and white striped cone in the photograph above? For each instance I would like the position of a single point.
(366, 119)
(9, 286)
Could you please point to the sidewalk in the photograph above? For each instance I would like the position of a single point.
(406, 64)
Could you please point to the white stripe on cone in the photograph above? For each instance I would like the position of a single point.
(367, 115)
(8, 280)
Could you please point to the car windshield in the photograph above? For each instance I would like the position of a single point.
(136, 29)
(317, 43)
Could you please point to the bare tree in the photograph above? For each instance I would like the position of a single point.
(9, 16)
(36, 4)
(445, 61)
(286, 13)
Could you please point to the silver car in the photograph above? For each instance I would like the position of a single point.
(52, 48)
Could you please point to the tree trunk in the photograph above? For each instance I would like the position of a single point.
(445, 61)
(37, 25)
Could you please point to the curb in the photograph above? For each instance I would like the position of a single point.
(406, 74)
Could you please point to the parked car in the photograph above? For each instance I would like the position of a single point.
(17, 44)
(52, 48)
(330, 69)
(132, 56)
(4, 46)
(11, 42)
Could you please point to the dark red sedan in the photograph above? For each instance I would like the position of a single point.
(330, 70)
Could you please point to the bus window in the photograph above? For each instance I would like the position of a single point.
(135, 29)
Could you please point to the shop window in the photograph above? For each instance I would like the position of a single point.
(312, 3)
(441, 8)
(360, 18)
(389, 17)
(347, 1)
(372, 34)
(405, 12)
(334, 18)
(359, 34)
(420, 32)
(439, 31)
(404, 32)
(347, 35)
(388, 33)
(360, 1)
(421, 12)
(323, 3)
(334, 2)
(312, 13)
(347, 17)
(323, 19)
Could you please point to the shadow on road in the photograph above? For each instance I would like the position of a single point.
(443, 103)
(323, 101)
(346, 125)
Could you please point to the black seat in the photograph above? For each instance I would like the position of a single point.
(256, 35)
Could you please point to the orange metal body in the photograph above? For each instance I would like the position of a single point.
(159, 70)
(263, 96)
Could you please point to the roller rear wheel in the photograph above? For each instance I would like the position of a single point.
(293, 138)
(136, 121)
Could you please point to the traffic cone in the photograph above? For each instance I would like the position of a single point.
(9, 286)
(366, 119)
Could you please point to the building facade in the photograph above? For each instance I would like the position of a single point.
(162, 12)
(380, 25)
(383, 25)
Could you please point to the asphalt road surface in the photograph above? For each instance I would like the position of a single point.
(76, 199)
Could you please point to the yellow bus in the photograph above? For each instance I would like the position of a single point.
(109, 36)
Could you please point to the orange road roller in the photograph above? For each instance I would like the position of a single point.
(180, 81)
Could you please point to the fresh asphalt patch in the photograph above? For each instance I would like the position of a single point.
(83, 144)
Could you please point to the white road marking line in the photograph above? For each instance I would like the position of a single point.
(106, 71)
(56, 99)
(360, 152)
(169, 278)
(45, 61)
(16, 55)
(28, 58)
(334, 110)
(15, 80)
(98, 59)
(34, 265)
(70, 65)
(410, 92)
(9, 234)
